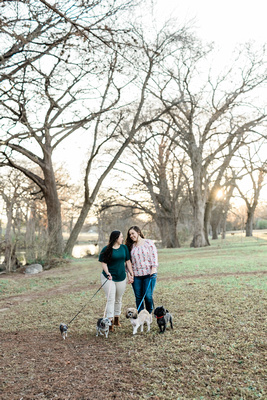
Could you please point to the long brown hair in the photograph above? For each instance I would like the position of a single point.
(129, 242)
(108, 252)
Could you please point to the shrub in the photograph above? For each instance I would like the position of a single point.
(261, 224)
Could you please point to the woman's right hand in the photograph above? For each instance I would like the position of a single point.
(109, 276)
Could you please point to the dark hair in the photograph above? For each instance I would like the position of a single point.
(108, 252)
(129, 242)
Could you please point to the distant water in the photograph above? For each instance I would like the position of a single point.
(79, 251)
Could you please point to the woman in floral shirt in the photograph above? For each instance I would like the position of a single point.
(144, 257)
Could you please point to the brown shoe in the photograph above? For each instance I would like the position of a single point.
(111, 327)
(117, 322)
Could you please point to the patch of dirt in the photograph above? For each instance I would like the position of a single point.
(36, 366)
(66, 288)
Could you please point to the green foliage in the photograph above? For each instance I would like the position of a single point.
(261, 224)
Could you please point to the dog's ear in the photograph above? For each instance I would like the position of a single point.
(135, 315)
(162, 310)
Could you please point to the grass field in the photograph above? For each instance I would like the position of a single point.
(217, 349)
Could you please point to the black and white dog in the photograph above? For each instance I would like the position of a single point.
(163, 317)
(63, 330)
(102, 326)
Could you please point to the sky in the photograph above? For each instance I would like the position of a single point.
(225, 22)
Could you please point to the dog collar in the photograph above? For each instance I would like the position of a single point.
(160, 317)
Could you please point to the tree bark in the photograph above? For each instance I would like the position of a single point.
(168, 232)
(55, 239)
(10, 260)
(8, 239)
(207, 218)
(77, 229)
(249, 223)
(215, 221)
(199, 236)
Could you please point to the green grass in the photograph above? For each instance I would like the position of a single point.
(217, 296)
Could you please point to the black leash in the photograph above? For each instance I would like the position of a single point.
(86, 303)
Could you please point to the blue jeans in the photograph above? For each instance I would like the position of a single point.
(140, 286)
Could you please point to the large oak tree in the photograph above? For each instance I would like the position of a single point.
(216, 114)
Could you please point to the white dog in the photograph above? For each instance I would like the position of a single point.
(139, 319)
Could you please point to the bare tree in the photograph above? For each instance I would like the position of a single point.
(12, 189)
(43, 103)
(54, 122)
(212, 117)
(255, 170)
(221, 208)
(31, 29)
(134, 118)
(160, 174)
(82, 77)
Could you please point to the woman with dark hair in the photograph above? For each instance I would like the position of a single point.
(113, 258)
(144, 257)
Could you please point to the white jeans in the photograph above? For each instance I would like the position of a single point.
(114, 292)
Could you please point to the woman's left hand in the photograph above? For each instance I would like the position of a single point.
(153, 270)
(130, 278)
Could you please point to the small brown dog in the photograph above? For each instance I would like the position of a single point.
(139, 319)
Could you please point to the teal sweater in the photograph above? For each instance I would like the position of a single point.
(116, 265)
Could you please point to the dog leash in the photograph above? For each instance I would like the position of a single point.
(86, 303)
(144, 295)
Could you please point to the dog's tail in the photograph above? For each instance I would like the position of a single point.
(151, 319)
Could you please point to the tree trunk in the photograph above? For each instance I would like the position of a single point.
(10, 260)
(216, 217)
(77, 229)
(8, 239)
(249, 223)
(55, 237)
(30, 227)
(199, 237)
(224, 218)
(214, 229)
(198, 200)
(207, 218)
(168, 232)
(30, 234)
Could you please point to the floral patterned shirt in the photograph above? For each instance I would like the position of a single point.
(144, 257)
